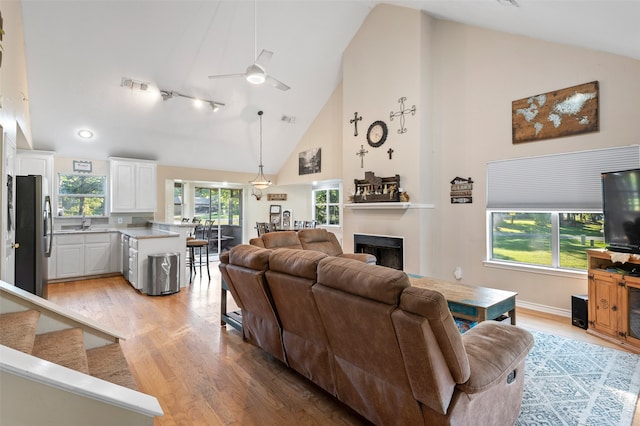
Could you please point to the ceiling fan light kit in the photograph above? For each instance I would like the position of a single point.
(260, 181)
(255, 74)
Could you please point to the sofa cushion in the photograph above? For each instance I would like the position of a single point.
(494, 350)
(249, 257)
(301, 263)
(281, 239)
(319, 239)
(373, 282)
(432, 306)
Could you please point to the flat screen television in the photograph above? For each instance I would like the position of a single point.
(621, 207)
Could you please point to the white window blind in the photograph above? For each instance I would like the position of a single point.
(559, 182)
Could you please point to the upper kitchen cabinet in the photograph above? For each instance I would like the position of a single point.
(133, 185)
(30, 162)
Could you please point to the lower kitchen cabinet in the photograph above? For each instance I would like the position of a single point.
(84, 254)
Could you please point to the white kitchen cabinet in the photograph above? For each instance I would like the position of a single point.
(133, 185)
(84, 254)
(30, 162)
(69, 255)
(97, 254)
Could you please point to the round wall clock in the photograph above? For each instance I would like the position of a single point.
(377, 133)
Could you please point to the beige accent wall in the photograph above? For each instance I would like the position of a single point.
(386, 60)
(477, 74)
(462, 80)
(326, 133)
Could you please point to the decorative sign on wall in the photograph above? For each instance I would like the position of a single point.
(565, 112)
(82, 166)
(277, 197)
(461, 190)
(309, 161)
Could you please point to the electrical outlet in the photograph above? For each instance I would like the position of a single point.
(458, 273)
(119, 221)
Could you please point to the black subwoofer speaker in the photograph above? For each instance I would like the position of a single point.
(580, 310)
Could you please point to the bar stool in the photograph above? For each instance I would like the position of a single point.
(192, 244)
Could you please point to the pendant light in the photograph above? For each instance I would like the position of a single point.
(260, 181)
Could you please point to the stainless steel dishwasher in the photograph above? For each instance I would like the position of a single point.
(125, 256)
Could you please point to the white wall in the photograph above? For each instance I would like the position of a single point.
(388, 59)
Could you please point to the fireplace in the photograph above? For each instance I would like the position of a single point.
(387, 250)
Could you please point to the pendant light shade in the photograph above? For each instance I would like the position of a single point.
(260, 181)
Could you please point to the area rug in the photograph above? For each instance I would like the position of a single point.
(570, 382)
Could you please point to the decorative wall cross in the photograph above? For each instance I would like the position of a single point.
(390, 152)
(361, 154)
(354, 121)
(401, 114)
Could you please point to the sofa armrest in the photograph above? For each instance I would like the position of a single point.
(362, 257)
(494, 351)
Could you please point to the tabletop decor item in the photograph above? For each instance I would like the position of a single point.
(374, 189)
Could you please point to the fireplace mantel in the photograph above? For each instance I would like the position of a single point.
(387, 206)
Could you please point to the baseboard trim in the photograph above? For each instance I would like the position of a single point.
(543, 308)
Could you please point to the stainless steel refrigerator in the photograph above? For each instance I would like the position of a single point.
(33, 234)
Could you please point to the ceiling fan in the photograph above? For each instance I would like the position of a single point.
(257, 74)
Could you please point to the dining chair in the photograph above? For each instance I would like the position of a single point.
(262, 228)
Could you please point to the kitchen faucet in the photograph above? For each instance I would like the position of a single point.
(84, 222)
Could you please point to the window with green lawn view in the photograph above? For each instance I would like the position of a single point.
(326, 206)
(81, 195)
(549, 239)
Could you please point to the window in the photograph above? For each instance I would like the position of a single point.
(81, 195)
(550, 239)
(547, 211)
(221, 205)
(326, 206)
(178, 196)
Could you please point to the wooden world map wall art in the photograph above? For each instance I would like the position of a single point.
(564, 112)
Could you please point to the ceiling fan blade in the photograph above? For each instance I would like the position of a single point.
(277, 83)
(264, 58)
(226, 75)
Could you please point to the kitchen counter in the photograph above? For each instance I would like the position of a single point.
(161, 225)
(144, 233)
(86, 231)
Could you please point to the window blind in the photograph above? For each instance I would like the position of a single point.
(558, 182)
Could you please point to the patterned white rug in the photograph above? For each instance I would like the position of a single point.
(570, 382)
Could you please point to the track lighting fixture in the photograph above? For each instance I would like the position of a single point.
(168, 94)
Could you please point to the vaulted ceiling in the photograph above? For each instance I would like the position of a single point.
(78, 52)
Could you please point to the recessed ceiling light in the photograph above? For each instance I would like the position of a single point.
(85, 134)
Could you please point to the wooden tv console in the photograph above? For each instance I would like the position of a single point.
(614, 298)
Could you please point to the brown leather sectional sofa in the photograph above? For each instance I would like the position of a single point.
(317, 239)
(390, 351)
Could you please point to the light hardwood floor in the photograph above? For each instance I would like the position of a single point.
(204, 374)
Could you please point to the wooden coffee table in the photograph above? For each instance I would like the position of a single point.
(471, 302)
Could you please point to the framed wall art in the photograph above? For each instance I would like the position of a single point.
(564, 112)
(310, 161)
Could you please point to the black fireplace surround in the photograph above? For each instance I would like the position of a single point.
(387, 250)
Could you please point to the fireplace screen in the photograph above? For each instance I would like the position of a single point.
(387, 250)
